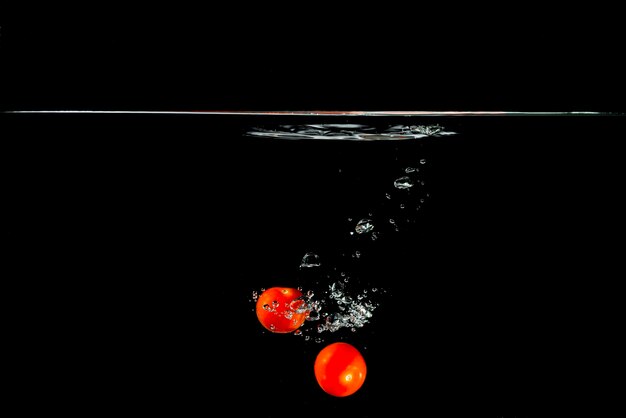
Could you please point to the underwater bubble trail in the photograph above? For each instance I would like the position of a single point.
(336, 299)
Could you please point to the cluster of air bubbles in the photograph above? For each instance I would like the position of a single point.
(406, 197)
(352, 310)
(428, 130)
(406, 194)
(410, 191)
(340, 304)
(337, 307)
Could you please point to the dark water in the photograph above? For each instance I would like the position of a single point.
(493, 281)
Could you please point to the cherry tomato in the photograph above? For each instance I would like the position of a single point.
(340, 369)
(281, 309)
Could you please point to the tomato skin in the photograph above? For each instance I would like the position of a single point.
(280, 309)
(340, 369)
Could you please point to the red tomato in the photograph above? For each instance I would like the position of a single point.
(340, 369)
(281, 309)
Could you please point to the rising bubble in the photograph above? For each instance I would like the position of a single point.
(310, 260)
(363, 226)
(403, 183)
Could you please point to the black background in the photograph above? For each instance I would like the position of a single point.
(265, 58)
(139, 239)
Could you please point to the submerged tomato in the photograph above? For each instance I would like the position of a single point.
(281, 309)
(340, 369)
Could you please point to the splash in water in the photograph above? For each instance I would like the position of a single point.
(336, 307)
(352, 132)
(333, 300)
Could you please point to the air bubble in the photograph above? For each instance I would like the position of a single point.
(363, 226)
(313, 316)
(310, 260)
(403, 183)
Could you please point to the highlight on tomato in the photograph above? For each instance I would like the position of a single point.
(340, 369)
(281, 309)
